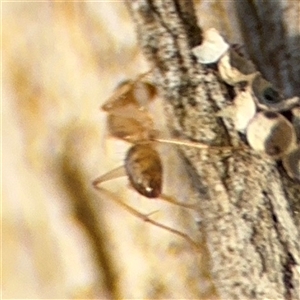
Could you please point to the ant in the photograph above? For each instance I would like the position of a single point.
(129, 119)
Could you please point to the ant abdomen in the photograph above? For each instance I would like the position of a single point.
(144, 170)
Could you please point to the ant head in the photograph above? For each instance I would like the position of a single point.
(122, 96)
(144, 92)
(144, 170)
(130, 93)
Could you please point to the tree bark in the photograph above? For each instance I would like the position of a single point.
(271, 33)
(248, 205)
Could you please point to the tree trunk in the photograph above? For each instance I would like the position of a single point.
(248, 206)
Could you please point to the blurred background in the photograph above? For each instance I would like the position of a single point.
(61, 239)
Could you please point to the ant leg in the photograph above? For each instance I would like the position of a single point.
(169, 199)
(145, 217)
(113, 174)
(174, 201)
(195, 144)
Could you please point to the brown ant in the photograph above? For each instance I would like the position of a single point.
(129, 119)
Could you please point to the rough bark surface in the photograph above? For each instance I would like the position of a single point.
(249, 208)
(277, 58)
